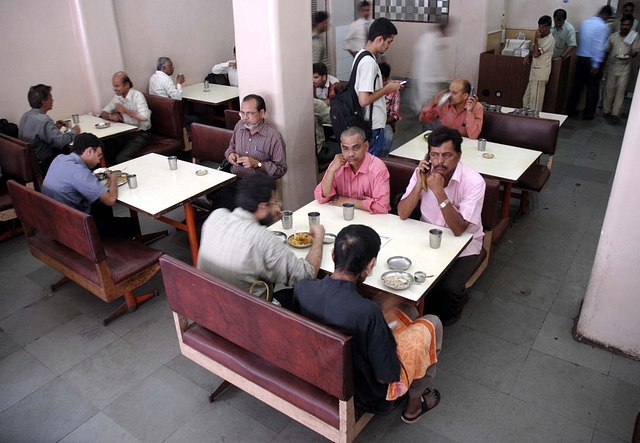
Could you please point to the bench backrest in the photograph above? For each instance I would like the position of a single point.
(167, 118)
(306, 349)
(231, 117)
(19, 162)
(539, 134)
(209, 142)
(70, 227)
(490, 213)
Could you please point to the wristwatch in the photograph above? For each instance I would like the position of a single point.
(444, 203)
(259, 165)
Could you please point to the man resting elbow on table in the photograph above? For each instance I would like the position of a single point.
(355, 176)
(454, 200)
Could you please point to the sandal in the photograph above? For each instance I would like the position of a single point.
(425, 407)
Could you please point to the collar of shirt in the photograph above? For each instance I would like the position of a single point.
(364, 167)
(456, 174)
(245, 215)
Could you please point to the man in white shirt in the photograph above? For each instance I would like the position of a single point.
(356, 36)
(128, 106)
(323, 83)
(160, 84)
(230, 68)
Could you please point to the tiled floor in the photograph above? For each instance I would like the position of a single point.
(508, 372)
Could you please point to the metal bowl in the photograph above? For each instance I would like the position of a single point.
(420, 277)
(399, 263)
(281, 235)
(397, 280)
(329, 238)
(103, 125)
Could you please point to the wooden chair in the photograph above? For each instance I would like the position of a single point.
(108, 268)
(167, 126)
(231, 117)
(19, 163)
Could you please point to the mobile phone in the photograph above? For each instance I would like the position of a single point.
(403, 82)
(473, 91)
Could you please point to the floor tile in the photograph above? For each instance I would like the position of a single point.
(7, 345)
(153, 308)
(219, 423)
(601, 437)
(485, 359)
(256, 409)
(194, 372)
(520, 422)
(507, 320)
(155, 408)
(579, 272)
(296, 432)
(525, 287)
(20, 375)
(555, 339)
(156, 337)
(619, 409)
(68, 345)
(590, 174)
(16, 292)
(588, 246)
(47, 415)
(110, 372)
(100, 429)
(548, 261)
(625, 369)
(405, 433)
(466, 411)
(561, 387)
(568, 301)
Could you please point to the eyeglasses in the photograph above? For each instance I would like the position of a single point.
(100, 154)
(248, 113)
(437, 155)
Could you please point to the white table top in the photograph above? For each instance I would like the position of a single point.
(217, 93)
(508, 163)
(88, 124)
(160, 189)
(548, 115)
(408, 238)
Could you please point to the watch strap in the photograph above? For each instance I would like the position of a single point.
(444, 203)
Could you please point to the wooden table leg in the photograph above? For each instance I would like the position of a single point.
(190, 219)
(506, 199)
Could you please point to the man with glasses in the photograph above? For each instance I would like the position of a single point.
(450, 194)
(237, 247)
(70, 181)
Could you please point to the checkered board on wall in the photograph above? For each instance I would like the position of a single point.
(428, 11)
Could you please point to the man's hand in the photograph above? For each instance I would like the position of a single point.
(60, 124)
(317, 232)
(121, 109)
(233, 158)
(339, 201)
(115, 117)
(180, 79)
(247, 162)
(337, 162)
(77, 129)
(471, 103)
(526, 60)
(392, 85)
(435, 181)
(438, 96)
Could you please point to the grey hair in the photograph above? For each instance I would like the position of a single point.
(162, 62)
(353, 130)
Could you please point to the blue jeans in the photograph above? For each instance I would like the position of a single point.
(376, 144)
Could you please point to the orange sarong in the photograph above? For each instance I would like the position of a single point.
(416, 349)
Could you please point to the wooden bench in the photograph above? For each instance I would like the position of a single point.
(297, 366)
(167, 126)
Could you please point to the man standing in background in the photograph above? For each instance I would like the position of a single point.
(540, 59)
(356, 36)
(319, 39)
(564, 34)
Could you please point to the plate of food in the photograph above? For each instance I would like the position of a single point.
(103, 125)
(300, 240)
(104, 178)
(397, 280)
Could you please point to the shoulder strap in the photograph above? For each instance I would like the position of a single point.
(352, 79)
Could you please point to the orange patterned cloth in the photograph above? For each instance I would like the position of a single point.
(416, 349)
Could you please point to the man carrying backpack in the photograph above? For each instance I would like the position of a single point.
(368, 83)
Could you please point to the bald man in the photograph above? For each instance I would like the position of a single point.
(128, 106)
(462, 111)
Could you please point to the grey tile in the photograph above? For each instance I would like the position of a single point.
(588, 246)
(156, 407)
(151, 309)
(523, 422)
(507, 320)
(45, 416)
(38, 319)
(568, 301)
(110, 372)
(296, 432)
(625, 369)
(20, 375)
(378, 427)
(194, 372)
(601, 437)
(100, 429)
(548, 261)
(16, 292)
(579, 272)
(525, 287)
(7, 345)
(44, 276)
(555, 339)
(405, 433)
(466, 411)
(256, 409)
(71, 343)
(599, 158)
(219, 423)
(619, 409)
(589, 174)
(564, 388)
(485, 359)
(489, 276)
(156, 337)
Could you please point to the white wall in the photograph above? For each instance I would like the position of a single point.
(494, 14)
(524, 14)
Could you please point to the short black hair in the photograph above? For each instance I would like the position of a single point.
(385, 69)
(320, 69)
(381, 27)
(355, 247)
(560, 13)
(627, 18)
(629, 4)
(442, 135)
(253, 190)
(363, 4)
(260, 104)
(544, 20)
(606, 11)
(86, 140)
(319, 17)
(38, 94)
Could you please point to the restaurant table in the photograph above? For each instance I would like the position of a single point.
(408, 238)
(507, 165)
(88, 124)
(161, 190)
(217, 95)
(548, 115)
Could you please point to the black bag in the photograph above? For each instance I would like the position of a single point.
(10, 129)
(225, 166)
(345, 107)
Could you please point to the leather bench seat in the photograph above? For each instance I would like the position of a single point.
(161, 145)
(275, 380)
(534, 178)
(124, 257)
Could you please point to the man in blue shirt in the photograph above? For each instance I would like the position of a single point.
(593, 38)
(70, 181)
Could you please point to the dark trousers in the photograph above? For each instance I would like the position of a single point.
(123, 147)
(110, 226)
(224, 197)
(449, 295)
(583, 75)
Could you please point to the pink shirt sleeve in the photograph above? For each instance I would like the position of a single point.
(317, 193)
(474, 121)
(379, 203)
(429, 113)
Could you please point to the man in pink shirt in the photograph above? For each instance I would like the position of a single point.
(461, 112)
(355, 176)
(453, 200)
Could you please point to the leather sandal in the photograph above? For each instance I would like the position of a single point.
(425, 407)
